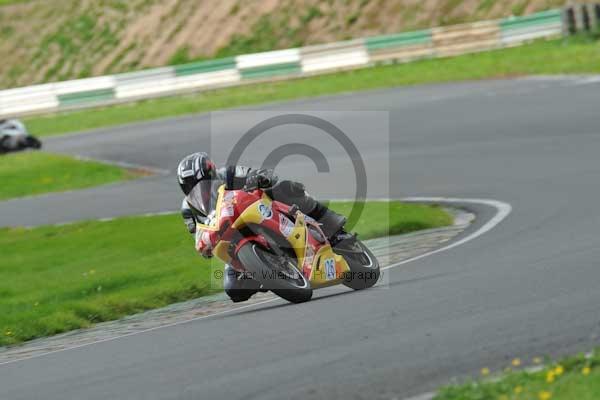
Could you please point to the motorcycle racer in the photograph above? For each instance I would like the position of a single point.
(199, 179)
(14, 136)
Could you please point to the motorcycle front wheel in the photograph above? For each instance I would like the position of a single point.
(278, 273)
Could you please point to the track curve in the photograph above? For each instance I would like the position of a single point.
(526, 288)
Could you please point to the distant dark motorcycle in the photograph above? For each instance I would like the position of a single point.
(14, 137)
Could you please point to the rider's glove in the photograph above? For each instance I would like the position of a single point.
(204, 243)
(260, 179)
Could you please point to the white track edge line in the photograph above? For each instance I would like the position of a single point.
(126, 165)
(424, 396)
(503, 210)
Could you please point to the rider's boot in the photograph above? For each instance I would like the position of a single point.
(294, 193)
(343, 238)
(331, 222)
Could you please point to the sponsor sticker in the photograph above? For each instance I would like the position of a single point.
(229, 196)
(285, 225)
(329, 269)
(265, 211)
(309, 256)
(227, 210)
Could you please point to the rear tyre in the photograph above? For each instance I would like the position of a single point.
(33, 142)
(364, 267)
(276, 273)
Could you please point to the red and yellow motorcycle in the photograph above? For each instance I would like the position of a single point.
(279, 246)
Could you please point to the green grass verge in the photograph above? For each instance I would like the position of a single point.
(7, 2)
(58, 278)
(29, 173)
(572, 55)
(395, 218)
(575, 378)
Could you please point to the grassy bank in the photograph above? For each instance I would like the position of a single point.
(573, 55)
(30, 173)
(58, 278)
(575, 378)
(71, 39)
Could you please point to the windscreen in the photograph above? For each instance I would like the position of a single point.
(203, 196)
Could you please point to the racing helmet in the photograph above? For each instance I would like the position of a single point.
(196, 175)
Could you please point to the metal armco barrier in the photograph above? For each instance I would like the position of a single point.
(402, 47)
(541, 25)
(467, 38)
(291, 63)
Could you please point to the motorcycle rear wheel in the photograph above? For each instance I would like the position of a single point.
(277, 273)
(33, 142)
(364, 267)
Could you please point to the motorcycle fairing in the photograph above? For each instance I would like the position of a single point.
(317, 261)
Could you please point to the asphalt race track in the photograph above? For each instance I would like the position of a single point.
(529, 287)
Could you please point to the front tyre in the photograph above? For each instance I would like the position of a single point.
(364, 267)
(278, 273)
